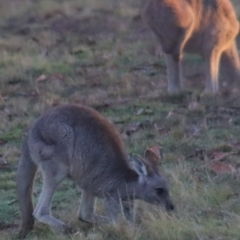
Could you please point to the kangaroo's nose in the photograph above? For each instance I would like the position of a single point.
(170, 207)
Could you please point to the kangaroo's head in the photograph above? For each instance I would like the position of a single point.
(152, 186)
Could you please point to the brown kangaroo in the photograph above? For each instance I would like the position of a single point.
(205, 27)
(77, 142)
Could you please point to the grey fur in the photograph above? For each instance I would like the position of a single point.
(77, 142)
(205, 27)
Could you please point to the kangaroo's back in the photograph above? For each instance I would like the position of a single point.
(85, 142)
(93, 134)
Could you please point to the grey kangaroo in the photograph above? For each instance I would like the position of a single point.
(77, 142)
(206, 27)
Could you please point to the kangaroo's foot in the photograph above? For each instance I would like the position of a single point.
(86, 210)
(56, 224)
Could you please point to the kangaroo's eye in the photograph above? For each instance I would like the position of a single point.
(160, 191)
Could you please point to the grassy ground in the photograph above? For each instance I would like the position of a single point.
(99, 53)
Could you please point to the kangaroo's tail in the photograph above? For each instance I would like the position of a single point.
(25, 177)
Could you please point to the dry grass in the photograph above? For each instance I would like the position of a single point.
(99, 53)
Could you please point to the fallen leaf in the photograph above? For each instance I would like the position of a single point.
(143, 111)
(170, 114)
(219, 155)
(134, 127)
(162, 130)
(4, 164)
(222, 168)
(56, 76)
(42, 78)
(3, 161)
(140, 111)
(195, 106)
(148, 111)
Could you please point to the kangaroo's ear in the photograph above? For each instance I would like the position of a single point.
(152, 156)
(138, 165)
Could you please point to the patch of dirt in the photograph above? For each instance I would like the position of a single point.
(95, 24)
(99, 23)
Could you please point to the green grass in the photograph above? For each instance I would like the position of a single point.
(99, 53)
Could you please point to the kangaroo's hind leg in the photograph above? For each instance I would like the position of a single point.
(86, 209)
(212, 59)
(51, 149)
(53, 175)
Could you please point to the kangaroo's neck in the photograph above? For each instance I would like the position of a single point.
(129, 188)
